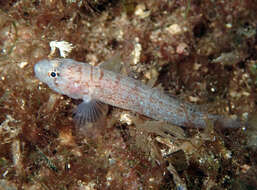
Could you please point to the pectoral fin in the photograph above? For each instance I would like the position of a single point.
(88, 112)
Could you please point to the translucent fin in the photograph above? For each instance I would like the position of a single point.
(113, 64)
(88, 112)
(230, 123)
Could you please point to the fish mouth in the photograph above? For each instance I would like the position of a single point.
(41, 69)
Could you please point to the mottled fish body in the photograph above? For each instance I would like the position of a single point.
(95, 85)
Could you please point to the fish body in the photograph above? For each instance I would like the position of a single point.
(95, 85)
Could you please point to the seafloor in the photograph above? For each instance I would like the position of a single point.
(203, 52)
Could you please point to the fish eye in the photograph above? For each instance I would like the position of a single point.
(53, 74)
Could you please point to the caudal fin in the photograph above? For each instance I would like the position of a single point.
(230, 123)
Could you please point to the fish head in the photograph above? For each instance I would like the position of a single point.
(61, 75)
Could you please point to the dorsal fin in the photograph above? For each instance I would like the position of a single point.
(115, 64)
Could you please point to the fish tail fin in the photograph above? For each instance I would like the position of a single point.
(231, 123)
